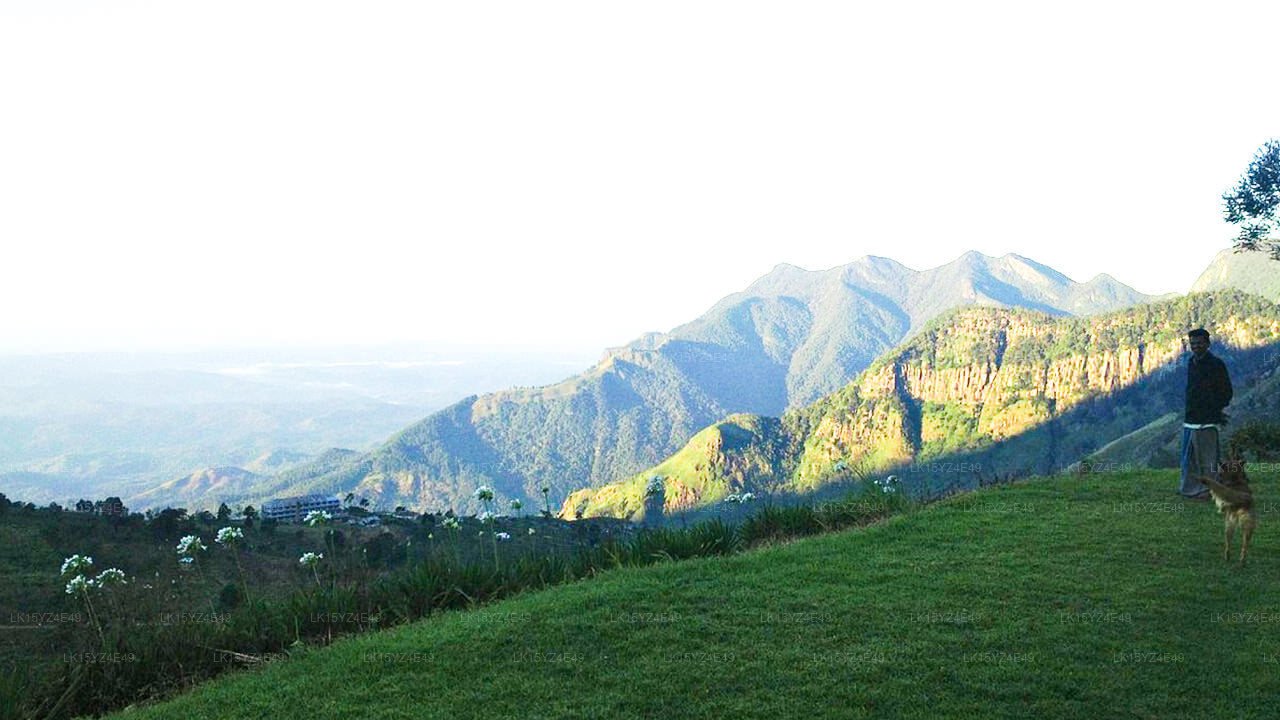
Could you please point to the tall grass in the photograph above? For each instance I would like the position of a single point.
(142, 659)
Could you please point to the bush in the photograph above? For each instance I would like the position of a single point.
(230, 597)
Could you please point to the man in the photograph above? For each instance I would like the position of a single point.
(1208, 392)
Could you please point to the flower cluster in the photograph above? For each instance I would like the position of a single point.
(189, 545)
(452, 523)
(484, 493)
(743, 498)
(316, 518)
(888, 485)
(109, 577)
(503, 536)
(79, 585)
(229, 535)
(485, 516)
(516, 504)
(310, 559)
(76, 565)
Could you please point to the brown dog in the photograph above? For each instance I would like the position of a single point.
(1234, 498)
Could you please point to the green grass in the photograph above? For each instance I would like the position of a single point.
(1096, 596)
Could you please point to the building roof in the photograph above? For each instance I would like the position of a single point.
(301, 500)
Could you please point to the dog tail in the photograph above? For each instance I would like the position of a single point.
(1232, 495)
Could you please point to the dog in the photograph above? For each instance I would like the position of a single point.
(1234, 498)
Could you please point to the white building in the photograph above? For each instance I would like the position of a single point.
(295, 508)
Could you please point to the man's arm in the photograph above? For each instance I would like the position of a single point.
(1225, 392)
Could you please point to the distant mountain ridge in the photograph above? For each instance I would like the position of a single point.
(791, 337)
(1252, 272)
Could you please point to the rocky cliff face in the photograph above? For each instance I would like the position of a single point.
(1006, 387)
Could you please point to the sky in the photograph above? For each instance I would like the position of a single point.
(179, 174)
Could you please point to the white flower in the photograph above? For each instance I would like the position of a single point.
(531, 531)
(76, 565)
(452, 523)
(485, 516)
(229, 535)
(309, 559)
(109, 577)
(747, 497)
(431, 536)
(78, 584)
(484, 493)
(732, 498)
(516, 504)
(190, 545)
(503, 536)
(316, 517)
(186, 561)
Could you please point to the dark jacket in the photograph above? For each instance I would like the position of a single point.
(1208, 390)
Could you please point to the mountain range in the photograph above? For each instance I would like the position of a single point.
(981, 393)
(789, 338)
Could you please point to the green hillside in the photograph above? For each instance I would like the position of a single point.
(1094, 596)
(979, 393)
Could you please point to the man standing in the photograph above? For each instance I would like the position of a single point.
(1208, 392)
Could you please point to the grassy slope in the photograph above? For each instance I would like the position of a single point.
(960, 610)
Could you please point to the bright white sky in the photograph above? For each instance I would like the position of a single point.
(177, 173)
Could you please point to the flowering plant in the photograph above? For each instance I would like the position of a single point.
(229, 535)
(79, 585)
(316, 518)
(76, 565)
(888, 485)
(109, 577)
(189, 545)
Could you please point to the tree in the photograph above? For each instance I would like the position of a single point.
(224, 512)
(249, 512)
(1254, 203)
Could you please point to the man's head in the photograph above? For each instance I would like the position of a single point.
(1198, 340)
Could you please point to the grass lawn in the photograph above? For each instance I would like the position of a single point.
(1102, 596)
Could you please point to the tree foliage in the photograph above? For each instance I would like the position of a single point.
(1253, 204)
